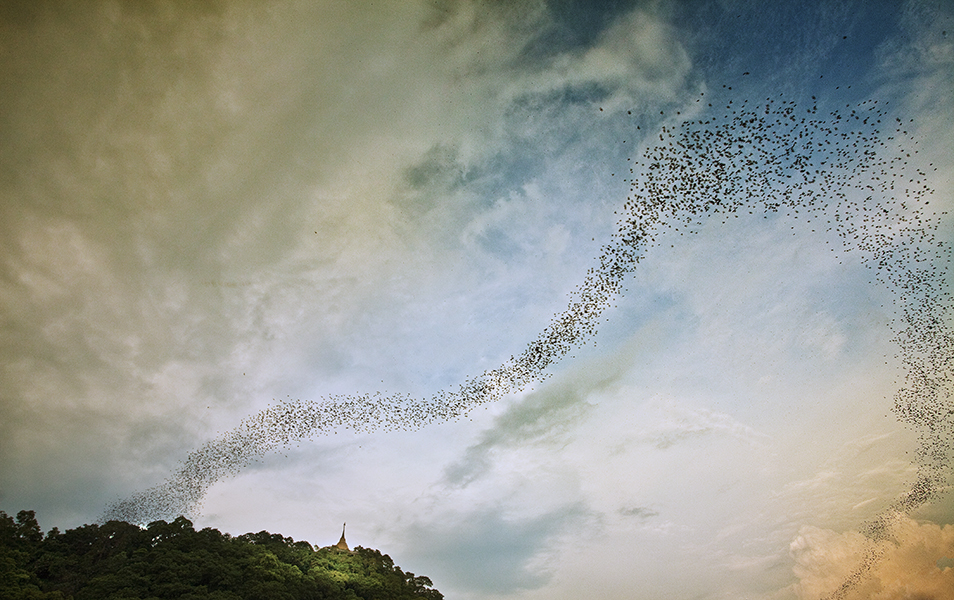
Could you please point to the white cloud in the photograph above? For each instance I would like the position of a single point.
(201, 212)
(201, 209)
(855, 482)
(672, 423)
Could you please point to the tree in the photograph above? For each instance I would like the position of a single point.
(173, 560)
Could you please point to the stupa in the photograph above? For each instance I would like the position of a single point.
(342, 544)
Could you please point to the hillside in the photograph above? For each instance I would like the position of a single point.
(173, 560)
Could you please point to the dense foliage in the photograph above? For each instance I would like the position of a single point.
(173, 560)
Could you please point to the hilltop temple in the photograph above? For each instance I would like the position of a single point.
(342, 545)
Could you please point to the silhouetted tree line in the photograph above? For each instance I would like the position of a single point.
(173, 560)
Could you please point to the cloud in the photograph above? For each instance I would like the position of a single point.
(205, 209)
(640, 512)
(637, 53)
(673, 423)
(914, 565)
(539, 419)
(487, 551)
(545, 419)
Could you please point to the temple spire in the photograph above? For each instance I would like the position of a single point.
(342, 544)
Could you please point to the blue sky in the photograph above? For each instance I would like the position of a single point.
(208, 211)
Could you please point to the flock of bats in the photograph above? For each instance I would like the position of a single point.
(853, 171)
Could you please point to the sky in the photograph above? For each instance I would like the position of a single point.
(208, 211)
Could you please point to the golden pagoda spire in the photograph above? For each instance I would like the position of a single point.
(342, 544)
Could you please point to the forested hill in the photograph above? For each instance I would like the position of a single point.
(173, 560)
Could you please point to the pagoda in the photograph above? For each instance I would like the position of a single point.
(342, 544)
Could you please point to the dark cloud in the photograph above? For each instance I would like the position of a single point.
(639, 512)
(326, 196)
(540, 419)
(486, 551)
(544, 418)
